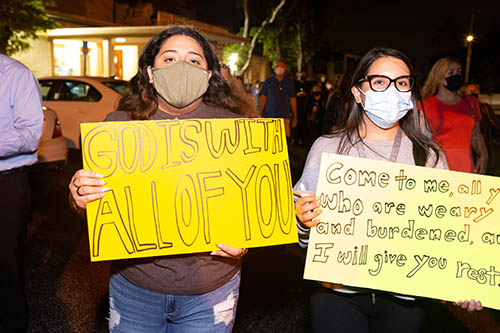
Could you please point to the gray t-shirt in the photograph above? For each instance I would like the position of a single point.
(188, 274)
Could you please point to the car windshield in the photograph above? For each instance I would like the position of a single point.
(119, 86)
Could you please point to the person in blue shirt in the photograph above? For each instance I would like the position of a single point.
(21, 122)
(278, 97)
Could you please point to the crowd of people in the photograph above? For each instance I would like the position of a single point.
(379, 106)
(319, 107)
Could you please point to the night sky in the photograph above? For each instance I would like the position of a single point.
(424, 30)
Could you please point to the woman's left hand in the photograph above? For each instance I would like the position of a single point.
(470, 306)
(479, 147)
(481, 164)
(229, 252)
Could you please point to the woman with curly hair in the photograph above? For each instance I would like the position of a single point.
(242, 103)
(178, 78)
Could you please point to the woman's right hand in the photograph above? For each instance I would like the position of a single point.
(470, 306)
(307, 208)
(86, 186)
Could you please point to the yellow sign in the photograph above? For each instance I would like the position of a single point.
(183, 186)
(407, 229)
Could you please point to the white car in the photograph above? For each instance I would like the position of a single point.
(53, 148)
(80, 99)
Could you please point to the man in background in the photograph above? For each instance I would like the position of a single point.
(278, 98)
(21, 122)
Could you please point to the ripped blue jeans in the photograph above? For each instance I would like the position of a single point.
(135, 309)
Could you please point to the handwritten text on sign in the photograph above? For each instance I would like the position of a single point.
(407, 229)
(184, 186)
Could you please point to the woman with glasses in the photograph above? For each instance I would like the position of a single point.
(383, 124)
(454, 121)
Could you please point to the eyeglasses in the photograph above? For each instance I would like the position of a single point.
(382, 83)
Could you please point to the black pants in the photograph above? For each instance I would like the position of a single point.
(333, 311)
(15, 197)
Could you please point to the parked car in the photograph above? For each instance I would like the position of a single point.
(53, 148)
(80, 99)
(52, 158)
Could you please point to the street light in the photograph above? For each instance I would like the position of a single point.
(469, 40)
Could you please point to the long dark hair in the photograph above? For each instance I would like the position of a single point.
(336, 105)
(413, 123)
(241, 102)
(142, 99)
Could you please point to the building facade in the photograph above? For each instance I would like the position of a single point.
(106, 38)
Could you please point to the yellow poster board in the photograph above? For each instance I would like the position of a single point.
(183, 186)
(406, 229)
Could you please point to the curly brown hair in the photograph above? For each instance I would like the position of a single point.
(142, 99)
(242, 103)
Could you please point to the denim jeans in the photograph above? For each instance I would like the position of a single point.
(135, 309)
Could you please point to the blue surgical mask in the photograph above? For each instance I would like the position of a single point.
(385, 108)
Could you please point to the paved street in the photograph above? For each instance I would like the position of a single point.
(67, 293)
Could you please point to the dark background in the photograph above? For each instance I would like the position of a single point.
(424, 30)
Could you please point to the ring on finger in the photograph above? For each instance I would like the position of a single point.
(78, 191)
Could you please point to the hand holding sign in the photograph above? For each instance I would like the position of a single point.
(307, 208)
(86, 186)
(229, 252)
(470, 306)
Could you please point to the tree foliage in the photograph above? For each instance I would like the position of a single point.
(278, 38)
(289, 47)
(20, 21)
(268, 20)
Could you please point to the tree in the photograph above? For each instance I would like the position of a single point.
(289, 36)
(20, 21)
(255, 35)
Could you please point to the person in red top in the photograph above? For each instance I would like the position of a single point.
(453, 120)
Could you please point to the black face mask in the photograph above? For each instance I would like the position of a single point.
(453, 82)
(475, 95)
